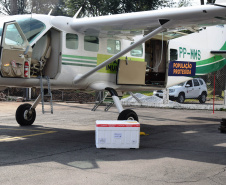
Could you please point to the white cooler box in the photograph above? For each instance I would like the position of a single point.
(117, 134)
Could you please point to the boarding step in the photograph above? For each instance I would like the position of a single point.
(104, 98)
(108, 106)
(100, 99)
(46, 93)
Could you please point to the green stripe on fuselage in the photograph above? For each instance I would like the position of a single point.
(111, 68)
(223, 47)
(80, 57)
(82, 61)
(81, 65)
(210, 67)
(209, 60)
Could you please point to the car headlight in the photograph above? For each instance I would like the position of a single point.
(171, 90)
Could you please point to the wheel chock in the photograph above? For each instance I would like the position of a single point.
(143, 134)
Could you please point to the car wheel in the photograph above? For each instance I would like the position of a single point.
(202, 98)
(180, 98)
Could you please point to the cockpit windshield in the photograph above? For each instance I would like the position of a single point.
(31, 27)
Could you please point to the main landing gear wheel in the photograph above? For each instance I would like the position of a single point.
(128, 115)
(24, 115)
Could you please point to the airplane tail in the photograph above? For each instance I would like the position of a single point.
(212, 64)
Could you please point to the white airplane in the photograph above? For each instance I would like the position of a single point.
(126, 52)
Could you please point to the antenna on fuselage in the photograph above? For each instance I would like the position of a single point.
(50, 12)
(76, 15)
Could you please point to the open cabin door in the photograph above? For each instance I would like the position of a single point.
(15, 52)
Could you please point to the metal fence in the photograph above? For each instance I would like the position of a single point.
(216, 85)
(19, 94)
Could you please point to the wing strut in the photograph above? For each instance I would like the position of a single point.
(161, 28)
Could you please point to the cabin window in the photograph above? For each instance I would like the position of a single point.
(71, 41)
(138, 51)
(173, 54)
(113, 46)
(91, 43)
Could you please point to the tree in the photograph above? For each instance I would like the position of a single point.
(43, 6)
(106, 7)
(12, 7)
(167, 3)
(59, 8)
(184, 3)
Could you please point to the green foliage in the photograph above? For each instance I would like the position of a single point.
(59, 9)
(7, 8)
(106, 7)
(32, 6)
(183, 3)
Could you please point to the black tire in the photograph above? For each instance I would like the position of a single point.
(128, 115)
(180, 98)
(202, 98)
(29, 118)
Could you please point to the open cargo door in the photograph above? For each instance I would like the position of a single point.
(131, 72)
(15, 52)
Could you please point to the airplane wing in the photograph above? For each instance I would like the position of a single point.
(185, 20)
(151, 23)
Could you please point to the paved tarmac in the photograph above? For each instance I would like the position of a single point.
(183, 147)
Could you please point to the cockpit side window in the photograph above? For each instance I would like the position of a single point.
(13, 36)
(31, 28)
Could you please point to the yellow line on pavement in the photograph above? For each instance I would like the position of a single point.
(25, 136)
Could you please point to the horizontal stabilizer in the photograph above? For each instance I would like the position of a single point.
(219, 52)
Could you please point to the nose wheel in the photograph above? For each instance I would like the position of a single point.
(25, 115)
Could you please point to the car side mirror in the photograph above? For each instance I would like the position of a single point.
(187, 85)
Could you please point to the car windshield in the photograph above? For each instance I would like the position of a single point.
(31, 27)
(181, 84)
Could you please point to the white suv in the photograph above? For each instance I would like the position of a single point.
(192, 89)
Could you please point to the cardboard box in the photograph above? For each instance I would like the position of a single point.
(117, 134)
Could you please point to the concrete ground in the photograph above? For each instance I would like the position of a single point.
(183, 147)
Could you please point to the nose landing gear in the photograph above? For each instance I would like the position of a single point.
(25, 115)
